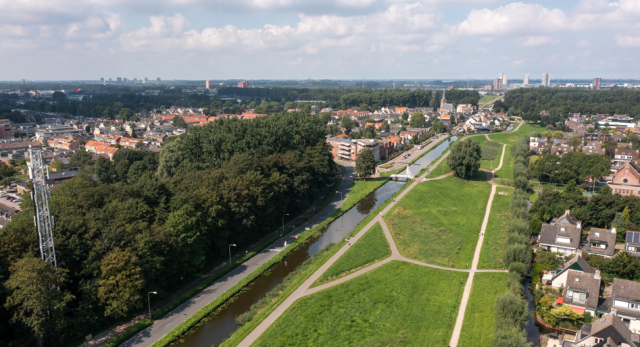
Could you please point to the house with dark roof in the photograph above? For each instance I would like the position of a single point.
(601, 242)
(632, 243)
(608, 331)
(626, 155)
(582, 291)
(558, 277)
(625, 302)
(563, 235)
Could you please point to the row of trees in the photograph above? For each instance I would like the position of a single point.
(564, 101)
(512, 307)
(571, 167)
(152, 221)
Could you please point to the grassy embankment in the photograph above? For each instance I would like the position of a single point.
(404, 167)
(397, 304)
(439, 222)
(486, 98)
(480, 317)
(497, 231)
(372, 247)
(362, 188)
(298, 279)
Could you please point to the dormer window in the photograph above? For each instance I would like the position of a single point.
(563, 240)
(562, 229)
(597, 234)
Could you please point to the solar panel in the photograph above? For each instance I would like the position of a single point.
(633, 236)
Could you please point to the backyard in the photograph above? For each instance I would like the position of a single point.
(370, 248)
(480, 317)
(438, 222)
(497, 230)
(397, 304)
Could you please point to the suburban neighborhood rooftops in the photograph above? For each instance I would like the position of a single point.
(599, 237)
(584, 283)
(579, 260)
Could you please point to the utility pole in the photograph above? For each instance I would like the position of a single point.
(39, 173)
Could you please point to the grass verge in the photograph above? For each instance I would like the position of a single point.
(246, 329)
(398, 300)
(371, 248)
(362, 188)
(480, 317)
(127, 334)
(510, 138)
(439, 222)
(497, 231)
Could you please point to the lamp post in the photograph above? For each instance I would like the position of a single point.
(233, 244)
(149, 301)
(286, 214)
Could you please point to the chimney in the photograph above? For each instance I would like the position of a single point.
(567, 211)
(613, 230)
(597, 275)
(579, 225)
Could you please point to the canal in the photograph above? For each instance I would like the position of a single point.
(219, 327)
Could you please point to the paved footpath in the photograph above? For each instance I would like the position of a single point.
(163, 326)
(305, 289)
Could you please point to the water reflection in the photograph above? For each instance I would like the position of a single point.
(366, 205)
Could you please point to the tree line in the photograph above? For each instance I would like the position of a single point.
(149, 222)
(565, 101)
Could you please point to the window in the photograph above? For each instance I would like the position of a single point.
(625, 180)
(597, 234)
(634, 306)
(561, 229)
(631, 248)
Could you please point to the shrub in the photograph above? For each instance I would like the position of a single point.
(511, 310)
(510, 336)
(516, 253)
(518, 239)
(521, 182)
(518, 268)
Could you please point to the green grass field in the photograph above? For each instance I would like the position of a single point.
(506, 171)
(480, 317)
(440, 170)
(438, 222)
(510, 138)
(487, 98)
(495, 237)
(492, 164)
(373, 246)
(360, 189)
(397, 304)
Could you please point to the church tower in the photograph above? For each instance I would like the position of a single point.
(444, 100)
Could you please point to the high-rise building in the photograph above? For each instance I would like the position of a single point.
(135, 80)
(546, 80)
(125, 80)
(209, 84)
(110, 80)
(497, 84)
(243, 84)
(596, 83)
(101, 79)
(158, 80)
(145, 80)
(503, 78)
(119, 80)
(526, 78)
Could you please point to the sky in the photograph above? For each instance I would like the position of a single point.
(318, 39)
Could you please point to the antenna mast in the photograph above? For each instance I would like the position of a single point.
(39, 172)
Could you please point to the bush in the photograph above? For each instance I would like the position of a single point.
(511, 337)
(516, 253)
(518, 239)
(518, 268)
(518, 226)
(535, 225)
(521, 183)
(511, 310)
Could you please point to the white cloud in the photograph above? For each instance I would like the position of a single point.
(532, 41)
(512, 18)
(628, 41)
(583, 43)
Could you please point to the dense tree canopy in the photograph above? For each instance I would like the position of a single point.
(464, 158)
(152, 220)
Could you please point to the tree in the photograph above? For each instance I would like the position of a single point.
(558, 135)
(81, 158)
(120, 283)
(104, 170)
(574, 141)
(465, 159)
(439, 127)
(58, 165)
(510, 337)
(179, 122)
(365, 163)
(333, 129)
(405, 116)
(417, 120)
(36, 302)
(133, 133)
(126, 114)
(364, 107)
(623, 265)
(87, 128)
(511, 310)
(347, 124)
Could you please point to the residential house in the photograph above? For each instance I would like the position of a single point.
(626, 155)
(101, 148)
(561, 150)
(155, 136)
(632, 243)
(131, 143)
(558, 278)
(64, 144)
(538, 144)
(625, 302)
(369, 144)
(563, 235)
(626, 180)
(601, 242)
(343, 149)
(582, 291)
(608, 331)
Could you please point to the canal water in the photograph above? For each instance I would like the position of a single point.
(534, 329)
(223, 324)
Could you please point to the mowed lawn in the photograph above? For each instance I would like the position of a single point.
(397, 304)
(506, 171)
(373, 246)
(480, 317)
(438, 222)
(495, 237)
(510, 138)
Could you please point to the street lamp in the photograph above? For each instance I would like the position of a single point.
(341, 196)
(149, 301)
(286, 214)
(233, 244)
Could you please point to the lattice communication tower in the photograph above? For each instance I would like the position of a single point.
(39, 173)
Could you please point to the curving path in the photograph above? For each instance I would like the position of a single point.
(305, 289)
